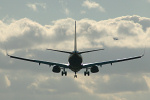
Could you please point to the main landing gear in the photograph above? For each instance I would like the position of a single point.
(86, 72)
(64, 72)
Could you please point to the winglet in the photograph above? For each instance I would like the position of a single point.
(144, 52)
(6, 51)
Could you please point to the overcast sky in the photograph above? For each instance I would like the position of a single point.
(28, 27)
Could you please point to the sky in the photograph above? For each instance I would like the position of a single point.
(29, 27)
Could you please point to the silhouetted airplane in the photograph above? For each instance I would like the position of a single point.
(75, 61)
(115, 38)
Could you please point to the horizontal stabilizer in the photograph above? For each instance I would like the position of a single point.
(90, 51)
(60, 51)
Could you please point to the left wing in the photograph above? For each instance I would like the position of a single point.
(111, 61)
(40, 62)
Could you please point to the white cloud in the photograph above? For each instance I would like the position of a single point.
(8, 83)
(34, 6)
(132, 31)
(147, 79)
(83, 12)
(4, 81)
(92, 4)
(67, 11)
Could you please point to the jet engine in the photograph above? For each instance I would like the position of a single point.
(94, 69)
(56, 69)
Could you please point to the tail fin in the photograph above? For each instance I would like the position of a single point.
(75, 41)
(75, 45)
(6, 51)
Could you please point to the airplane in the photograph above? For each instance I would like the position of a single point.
(75, 61)
(115, 38)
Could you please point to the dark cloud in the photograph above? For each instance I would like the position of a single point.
(122, 83)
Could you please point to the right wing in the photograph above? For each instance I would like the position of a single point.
(40, 62)
(110, 62)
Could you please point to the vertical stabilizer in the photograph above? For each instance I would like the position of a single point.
(75, 41)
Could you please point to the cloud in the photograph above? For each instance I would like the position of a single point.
(27, 38)
(52, 86)
(83, 12)
(5, 82)
(34, 6)
(108, 84)
(8, 83)
(132, 32)
(36, 85)
(91, 5)
(65, 9)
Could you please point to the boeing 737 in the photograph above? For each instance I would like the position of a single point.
(75, 61)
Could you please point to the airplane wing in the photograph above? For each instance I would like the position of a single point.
(110, 62)
(41, 62)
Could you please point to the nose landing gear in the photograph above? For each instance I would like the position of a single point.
(75, 76)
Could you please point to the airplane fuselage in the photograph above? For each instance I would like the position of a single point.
(75, 61)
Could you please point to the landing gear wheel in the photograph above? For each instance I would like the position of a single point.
(88, 73)
(85, 73)
(65, 73)
(75, 76)
(62, 73)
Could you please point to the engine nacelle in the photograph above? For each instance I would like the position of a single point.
(94, 69)
(56, 69)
